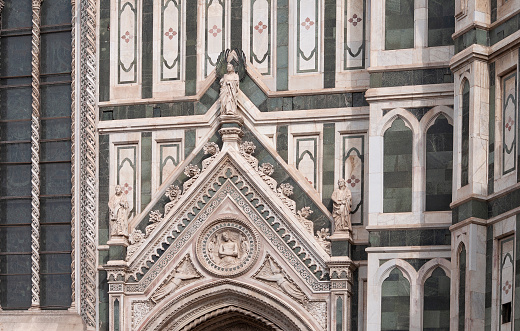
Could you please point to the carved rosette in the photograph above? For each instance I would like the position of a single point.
(227, 248)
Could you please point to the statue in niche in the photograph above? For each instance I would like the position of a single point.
(272, 273)
(247, 148)
(342, 205)
(183, 272)
(302, 215)
(266, 170)
(212, 149)
(227, 248)
(284, 191)
(119, 209)
(230, 69)
(174, 193)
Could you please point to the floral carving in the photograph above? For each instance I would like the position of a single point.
(212, 149)
(193, 172)
(302, 215)
(266, 170)
(322, 236)
(154, 219)
(247, 148)
(136, 239)
(174, 193)
(284, 191)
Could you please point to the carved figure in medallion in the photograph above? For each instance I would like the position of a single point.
(342, 205)
(119, 209)
(266, 170)
(302, 217)
(174, 193)
(284, 191)
(212, 149)
(231, 248)
(247, 148)
(273, 273)
(184, 272)
(227, 251)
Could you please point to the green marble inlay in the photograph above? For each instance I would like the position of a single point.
(411, 77)
(282, 45)
(104, 180)
(395, 302)
(491, 148)
(436, 301)
(340, 248)
(236, 24)
(282, 142)
(329, 147)
(191, 51)
(146, 168)
(489, 274)
(104, 50)
(147, 49)
(516, 296)
(410, 237)
(329, 51)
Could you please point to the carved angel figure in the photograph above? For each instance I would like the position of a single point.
(193, 172)
(275, 274)
(212, 149)
(284, 191)
(266, 170)
(322, 236)
(182, 273)
(247, 148)
(302, 215)
(174, 193)
(342, 205)
(119, 209)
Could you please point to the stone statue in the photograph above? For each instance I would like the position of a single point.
(182, 273)
(284, 191)
(229, 91)
(275, 274)
(212, 149)
(174, 193)
(342, 205)
(119, 209)
(247, 148)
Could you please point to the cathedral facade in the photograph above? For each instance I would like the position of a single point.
(259, 165)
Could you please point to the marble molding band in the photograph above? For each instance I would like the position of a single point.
(87, 149)
(73, 160)
(35, 156)
(2, 4)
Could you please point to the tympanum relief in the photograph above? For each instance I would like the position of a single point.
(227, 248)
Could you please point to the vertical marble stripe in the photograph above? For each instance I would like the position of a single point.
(191, 50)
(146, 168)
(104, 185)
(489, 274)
(215, 33)
(329, 67)
(73, 158)
(516, 303)
(260, 35)
(329, 146)
(491, 154)
(147, 50)
(282, 45)
(282, 142)
(35, 156)
(307, 36)
(518, 117)
(354, 21)
(104, 50)
(190, 137)
(509, 119)
(236, 24)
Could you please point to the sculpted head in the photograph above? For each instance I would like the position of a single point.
(225, 236)
(342, 183)
(119, 189)
(230, 68)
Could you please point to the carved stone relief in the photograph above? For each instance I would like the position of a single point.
(119, 209)
(342, 205)
(272, 273)
(212, 149)
(247, 148)
(193, 172)
(322, 236)
(302, 215)
(227, 248)
(182, 275)
(284, 191)
(173, 193)
(266, 170)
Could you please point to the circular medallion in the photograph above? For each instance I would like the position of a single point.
(227, 248)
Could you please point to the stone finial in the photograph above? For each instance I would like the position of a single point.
(212, 149)
(302, 215)
(173, 193)
(322, 236)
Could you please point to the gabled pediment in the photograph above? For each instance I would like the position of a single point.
(229, 187)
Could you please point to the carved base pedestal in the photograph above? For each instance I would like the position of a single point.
(341, 242)
(117, 248)
(231, 130)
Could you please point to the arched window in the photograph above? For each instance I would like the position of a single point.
(397, 170)
(399, 24)
(464, 166)
(441, 22)
(462, 287)
(395, 302)
(439, 160)
(436, 301)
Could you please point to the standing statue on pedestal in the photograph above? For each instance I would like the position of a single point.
(342, 205)
(119, 209)
(230, 69)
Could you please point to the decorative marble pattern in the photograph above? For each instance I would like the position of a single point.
(128, 38)
(171, 31)
(509, 119)
(307, 158)
(127, 173)
(353, 173)
(215, 33)
(354, 35)
(307, 51)
(507, 281)
(261, 35)
(169, 158)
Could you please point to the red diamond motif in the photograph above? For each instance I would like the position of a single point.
(127, 188)
(353, 181)
(214, 30)
(509, 124)
(170, 33)
(260, 27)
(307, 23)
(126, 37)
(355, 19)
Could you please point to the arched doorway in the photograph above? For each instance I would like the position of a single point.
(231, 319)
